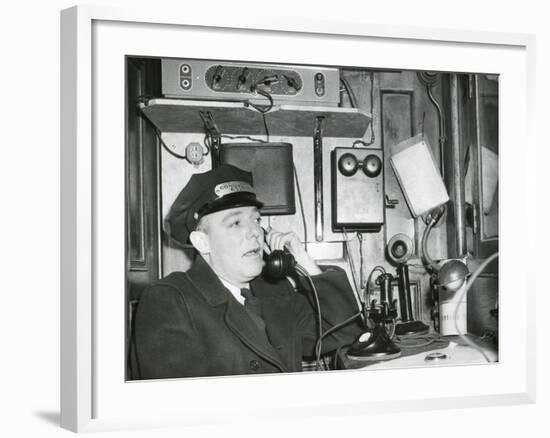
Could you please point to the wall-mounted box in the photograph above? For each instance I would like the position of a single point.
(231, 81)
(418, 175)
(357, 189)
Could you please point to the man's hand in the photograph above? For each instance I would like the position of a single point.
(290, 241)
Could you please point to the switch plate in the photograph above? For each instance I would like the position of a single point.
(220, 80)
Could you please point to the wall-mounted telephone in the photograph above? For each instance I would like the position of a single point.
(357, 189)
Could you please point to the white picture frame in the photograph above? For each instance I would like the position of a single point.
(93, 398)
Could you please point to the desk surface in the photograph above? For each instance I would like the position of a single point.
(457, 353)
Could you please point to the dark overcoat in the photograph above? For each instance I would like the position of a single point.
(189, 324)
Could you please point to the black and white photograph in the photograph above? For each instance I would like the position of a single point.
(282, 219)
(288, 218)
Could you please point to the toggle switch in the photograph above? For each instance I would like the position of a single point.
(243, 77)
(217, 78)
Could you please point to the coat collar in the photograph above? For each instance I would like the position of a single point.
(207, 282)
(214, 292)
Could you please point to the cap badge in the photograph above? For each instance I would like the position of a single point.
(229, 187)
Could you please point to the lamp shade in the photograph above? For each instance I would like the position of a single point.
(452, 274)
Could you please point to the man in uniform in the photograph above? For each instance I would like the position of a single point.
(222, 316)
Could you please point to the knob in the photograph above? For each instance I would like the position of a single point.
(347, 164)
(372, 166)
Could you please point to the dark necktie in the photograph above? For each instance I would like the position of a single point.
(253, 307)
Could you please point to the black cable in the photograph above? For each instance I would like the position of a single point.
(320, 334)
(463, 294)
(361, 260)
(207, 144)
(171, 152)
(429, 79)
(350, 259)
(141, 105)
(232, 137)
(392, 333)
(372, 134)
(412, 341)
(261, 108)
(236, 137)
(340, 325)
(361, 142)
(337, 354)
(318, 344)
(424, 246)
(265, 126)
(349, 91)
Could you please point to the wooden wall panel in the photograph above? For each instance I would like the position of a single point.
(141, 181)
(141, 207)
(397, 125)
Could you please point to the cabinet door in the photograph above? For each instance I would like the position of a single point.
(480, 128)
(485, 186)
(487, 155)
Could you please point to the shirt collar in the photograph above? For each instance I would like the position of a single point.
(235, 291)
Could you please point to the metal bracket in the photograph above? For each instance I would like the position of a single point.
(391, 203)
(318, 176)
(213, 134)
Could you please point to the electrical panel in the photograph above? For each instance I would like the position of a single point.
(230, 81)
(357, 189)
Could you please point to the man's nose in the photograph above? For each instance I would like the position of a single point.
(255, 230)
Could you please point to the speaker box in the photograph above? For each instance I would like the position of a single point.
(272, 170)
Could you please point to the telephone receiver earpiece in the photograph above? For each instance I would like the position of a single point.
(279, 264)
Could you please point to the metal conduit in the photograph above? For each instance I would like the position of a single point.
(457, 180)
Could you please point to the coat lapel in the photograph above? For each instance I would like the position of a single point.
(278, 313)
(236, 317)
(242, 325)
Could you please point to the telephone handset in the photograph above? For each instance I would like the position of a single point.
(279, 264)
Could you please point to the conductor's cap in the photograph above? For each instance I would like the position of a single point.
(218, 189)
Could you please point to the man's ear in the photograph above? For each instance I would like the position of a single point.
(200, 241)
